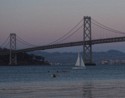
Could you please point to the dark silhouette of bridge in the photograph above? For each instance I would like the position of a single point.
(71, 44)
(87, 41)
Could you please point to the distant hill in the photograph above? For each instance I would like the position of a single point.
(57, 57)
(23, 59)
(70, 57)
(109, 55)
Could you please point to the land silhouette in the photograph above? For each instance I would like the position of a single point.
(23, 59)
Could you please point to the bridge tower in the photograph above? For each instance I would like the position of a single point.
(13, 57)
(87, 48)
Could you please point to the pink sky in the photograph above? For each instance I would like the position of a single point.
(43, 21)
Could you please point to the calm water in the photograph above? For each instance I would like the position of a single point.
(37, 81)
(64, 73)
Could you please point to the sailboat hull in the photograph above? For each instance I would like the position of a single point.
(90, 64)
(79, 67)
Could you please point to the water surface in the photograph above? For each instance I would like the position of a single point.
(101, 81)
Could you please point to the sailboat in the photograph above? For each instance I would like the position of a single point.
(79, 63)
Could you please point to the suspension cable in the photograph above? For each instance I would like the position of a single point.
(20, 41)
(7, 44)
(67, 33)
(4, 43)
(25, 42)
(72, 33)
(106, 28)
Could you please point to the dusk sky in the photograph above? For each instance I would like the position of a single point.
(43, 21)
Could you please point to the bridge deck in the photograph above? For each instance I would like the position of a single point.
(71, 44)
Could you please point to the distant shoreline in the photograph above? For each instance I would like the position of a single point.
(27, 65)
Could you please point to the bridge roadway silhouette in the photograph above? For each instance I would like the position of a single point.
(71, 44)
(87, 41)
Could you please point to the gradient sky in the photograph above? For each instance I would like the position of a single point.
(43, 21)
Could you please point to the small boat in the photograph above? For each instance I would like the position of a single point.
(53, 75)
(79, 63)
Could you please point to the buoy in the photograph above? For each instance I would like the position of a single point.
(53, 75)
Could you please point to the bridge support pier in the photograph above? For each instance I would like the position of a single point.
(13, 57)
(87, 48)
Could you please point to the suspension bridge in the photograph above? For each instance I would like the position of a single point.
(87, 32)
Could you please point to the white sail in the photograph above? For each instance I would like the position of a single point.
(78, 61)
(82, 63)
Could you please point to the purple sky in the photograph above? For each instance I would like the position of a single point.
(42, 21)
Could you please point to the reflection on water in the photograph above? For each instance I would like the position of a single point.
(36, 82)
(87, 90)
